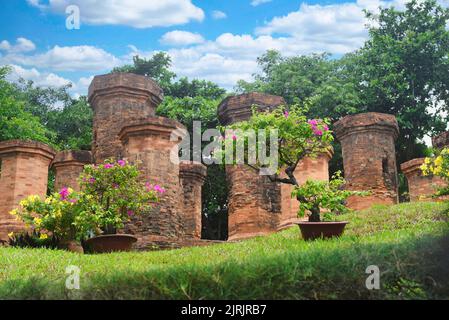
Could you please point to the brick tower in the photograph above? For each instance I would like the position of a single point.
(369, 159)
(68, 165)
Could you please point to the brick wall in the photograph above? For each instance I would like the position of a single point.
(68, 166)
(369, 160)
(24, 172)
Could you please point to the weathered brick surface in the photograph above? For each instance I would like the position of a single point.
(441, 140)
(192, 176)
(314, 168)
(254, 201)
(147, 143)
(24, 172)
(118, 99)
(420, 187)
(68, 166)
(369, 160)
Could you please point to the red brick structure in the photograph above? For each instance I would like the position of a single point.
(118, 99)
(420, 187)
(192, 175)
(369, 160)
(148, 144)
(24, 172)
(68, 166)
(441, 140)
(316, 168)
(254, 201)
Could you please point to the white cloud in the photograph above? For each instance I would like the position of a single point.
(217, 15)
(255, 3)
(134, 13)
(21, 45)
(181, 38)
(74, 58)
(44, 79)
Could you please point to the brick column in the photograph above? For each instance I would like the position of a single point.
(68, 165)
(254, 201)
(309, 168)
(192, 176)
(24, 172)
(118, 99)
(440, 141)
(147, 144)
(369, 159)
(418, 184)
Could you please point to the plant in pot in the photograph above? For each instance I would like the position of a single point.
(111, 194)
(297, 137)
(315, 196)
(438, 165)
(52, 220)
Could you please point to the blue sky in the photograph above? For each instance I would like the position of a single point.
(218, 40)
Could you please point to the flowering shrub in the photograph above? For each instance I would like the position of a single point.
(315, 195)
(297, 137)
(54, 216)
(438, 166)
(111, 194)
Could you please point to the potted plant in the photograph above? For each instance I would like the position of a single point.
(316, 195)
(111, 194)
(52, 219)
(297, 138)
(438, 165)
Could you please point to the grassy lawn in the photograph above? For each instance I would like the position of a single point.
(408, 242)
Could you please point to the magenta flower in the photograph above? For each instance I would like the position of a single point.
(325, 128)
(130, 213)
(64, 193)
(234, 137)
(121, 163)
(286, 114)
(159, 189)
(108, 165)
(92, 180)
(318, 132)
(313, 122)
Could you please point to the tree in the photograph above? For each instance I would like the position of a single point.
(403, 69)
(15, 121)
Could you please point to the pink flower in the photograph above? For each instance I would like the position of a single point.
(130, 213)
(234, 137)
(121, 163)
(92, 180)
(325, 128)
(108, 165)
(318, 132)
(286, 114)
(159, 189)
(313, 122)
(64, 193)
(73, 200)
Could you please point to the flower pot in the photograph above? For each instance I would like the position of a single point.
(317, 230)
(111, 243)
(71, 245)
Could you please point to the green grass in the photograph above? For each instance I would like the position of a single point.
(409, 243)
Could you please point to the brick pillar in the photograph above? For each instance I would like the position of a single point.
(24, 172)
(254, 201)
(147, 144)
(309, 168)
(440, 141)
(369, 159)
(68, 165)
(192, 176)
(117, 99)
(418, 184)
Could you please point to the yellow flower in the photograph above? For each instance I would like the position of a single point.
(43, 236)
(13, 212)
(48, 200)
(439, 161)
(37, 221)
(11, 234)
(58, 213)
(427, 160)
(70, 190)
(24, 203)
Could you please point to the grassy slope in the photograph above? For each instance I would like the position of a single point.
(407, 242)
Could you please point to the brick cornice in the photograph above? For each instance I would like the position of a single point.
(26, 147)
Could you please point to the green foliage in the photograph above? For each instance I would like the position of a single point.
(111, 193)
(15, 121)
(408, 242)
(315, 195)
(32, 240)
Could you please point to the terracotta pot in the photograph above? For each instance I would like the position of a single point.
(111, 243)
(71, 246)
(316, 230)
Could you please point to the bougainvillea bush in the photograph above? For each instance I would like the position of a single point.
(438, 166)
(111, 193)
(315, 195)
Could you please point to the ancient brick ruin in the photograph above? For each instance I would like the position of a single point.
(369, 158)
(125, 126)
